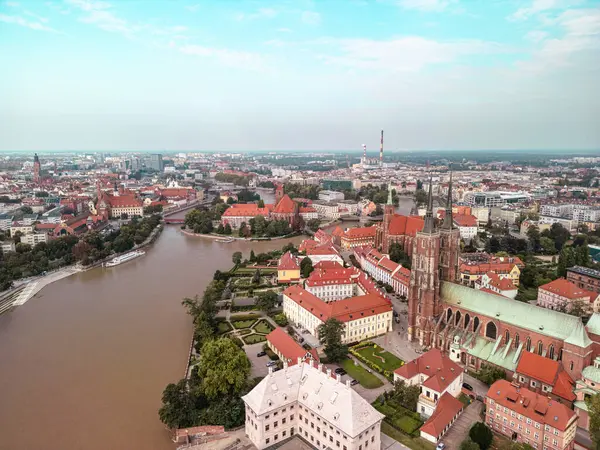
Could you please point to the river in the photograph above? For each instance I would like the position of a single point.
(83, 364)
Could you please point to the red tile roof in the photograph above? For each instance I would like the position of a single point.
(464, 220)
(547, 371)
(565, 288)
(532, 405)
(440, 370)
(445, 411)
(288, 262)
(288, 347)
(360, 233)
(322, 250)
(245, 210)
(337, 275)
(388, 264)
(123, 201)
(285, 206)
(325, 265)
(343, 310)
(409, 225)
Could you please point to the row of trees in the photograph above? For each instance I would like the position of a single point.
(212, 394)
(238, 180)
(29, 261)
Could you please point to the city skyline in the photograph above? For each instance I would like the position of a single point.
(318, 76)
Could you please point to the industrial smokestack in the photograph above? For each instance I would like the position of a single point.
(364, 152)
(381, 150)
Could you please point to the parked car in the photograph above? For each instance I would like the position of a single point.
(467, 386)
(353, 383)
(259, 354)
(301, 340)
(271, 363)
(340, 371)
(440, 446)
(395, 313)
(275, 369)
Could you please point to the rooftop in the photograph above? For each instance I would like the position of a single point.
(567, 289)
(585, 271)
(440, 370)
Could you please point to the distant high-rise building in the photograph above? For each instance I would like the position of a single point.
(36, 169)
(156, 162)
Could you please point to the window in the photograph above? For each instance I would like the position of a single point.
(275, 424)
(490, 330)
(528, 344)
(266, 427)
(276, 437)
(516, 340)
(292, 417)
(571, 365)
(506, 337)
(540, 348)
(551, 351)
(267, 440)
(283, 434)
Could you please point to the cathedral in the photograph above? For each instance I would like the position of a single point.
(475, 327)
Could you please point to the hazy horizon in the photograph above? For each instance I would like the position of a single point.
(436, 75)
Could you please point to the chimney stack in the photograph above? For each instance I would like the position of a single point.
(381, 150)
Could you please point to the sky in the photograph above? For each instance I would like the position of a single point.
(299, 75)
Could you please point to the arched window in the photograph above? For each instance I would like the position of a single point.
(540, 348)
(517, 340)
(467, 320)
(506, 337)
(457, 319)
(475, 323)
(560, 355)
(448, 315)
(490, 330)
(528, 345)
(551, 351)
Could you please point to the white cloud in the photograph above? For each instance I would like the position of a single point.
(57, 8)
(18, 20)
(261, 13)
(11, 4)
(232, 58)
(193, 8)
(89, 5)
(275, 43)
(107, 21)
(540, 6)
(35, 16)
(410, 53)
(536, 36)
(311, 17)
(284, 30)
(426, 5)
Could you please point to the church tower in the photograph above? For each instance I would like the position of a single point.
(424, 303)
(388, 214)
(449, 242)
(36, 169)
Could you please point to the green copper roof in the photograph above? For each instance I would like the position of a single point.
(579, 336)
(581, 405)
(593, 324)
(494, 353)
(520, 314)
(591, 373)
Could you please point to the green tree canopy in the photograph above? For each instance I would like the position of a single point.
(266, 301)
(236, 258)
(330, 335)
(468, 444)
(223, 368)
(593, 404)
(481, 435)
(178, 409)
(306, 267)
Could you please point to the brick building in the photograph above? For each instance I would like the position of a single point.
(562, 294)
(585, 278)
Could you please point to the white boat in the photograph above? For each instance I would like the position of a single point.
(225, 240)
(124, 258)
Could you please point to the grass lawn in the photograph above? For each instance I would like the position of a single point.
(223, 327)
(243, 323)
(244, 331)
(250, 270)
(464, 399)
(360, 374)
(389, 361)
(254, 338)
(414, 443)
(263, 327)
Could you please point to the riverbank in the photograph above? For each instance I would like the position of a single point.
(241, 239)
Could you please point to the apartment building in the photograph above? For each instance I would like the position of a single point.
(358, 237)
(327, 210)
(331, 282)
(473, 267)
(383, 269)
(467, 226)
(303, 400)
(584, 277)
(34, 238)
(363, 316)
(545, 376)
(561, 294)
(492, 283)
(331, 196)
(525, 416)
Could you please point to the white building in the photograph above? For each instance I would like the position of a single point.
(364, 317)
(5, 221)
(467, 226)
(34, 238)
(303, 400)
(331, 196)
(327, 210)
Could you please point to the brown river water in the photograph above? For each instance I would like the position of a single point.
(83, 364)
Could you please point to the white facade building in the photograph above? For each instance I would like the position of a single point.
(331, 196)
(34, 238)
(303, 400)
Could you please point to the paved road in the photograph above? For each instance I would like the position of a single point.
(387, 443)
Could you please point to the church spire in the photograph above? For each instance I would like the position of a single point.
(389, 201)
(448, 221)
(429, 225)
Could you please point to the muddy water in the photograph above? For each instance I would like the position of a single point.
(83, 363)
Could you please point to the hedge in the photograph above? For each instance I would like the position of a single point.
(244, 317)
(354, 351)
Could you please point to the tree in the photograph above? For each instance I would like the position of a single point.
(227, 229)
(490, 374)
(243, 231)
(406, 395)
(266, 301)
(481, 435)
(256, 277)
(330, 335)
(252, 256)
(236, 257)
(547, 245)
(593, 404)
(313, 224)
(26, 210)
(178, 409)
(220, 229)
(230, 200)
(419, 185)
(420, 197)
(261, 203)
(306, 267)
(566, 259)
(468, 444)
(559, 234)
(397, 255)
(223, 368)
(533, 234)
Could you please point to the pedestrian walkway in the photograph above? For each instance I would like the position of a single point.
(460, 429)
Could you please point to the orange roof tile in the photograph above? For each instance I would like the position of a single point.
(565, 288)
(538, 367)
(532, 405)
(463, 220)
(285, 206)
(445, 410)
(440, 370)
(288, 262)
(288, 347)
(409, 225)
(360, 233)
